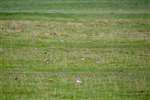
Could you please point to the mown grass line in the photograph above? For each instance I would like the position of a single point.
(69, 17)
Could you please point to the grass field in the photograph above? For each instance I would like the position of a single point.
(47, 45)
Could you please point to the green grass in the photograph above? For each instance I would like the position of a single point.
(46, 44)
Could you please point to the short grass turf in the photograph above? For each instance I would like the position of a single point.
(46, 45)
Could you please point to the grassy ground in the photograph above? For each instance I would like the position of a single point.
(46, 45)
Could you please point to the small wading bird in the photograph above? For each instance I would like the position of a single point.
(78, 81)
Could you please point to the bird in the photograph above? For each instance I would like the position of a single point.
(78, 81)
